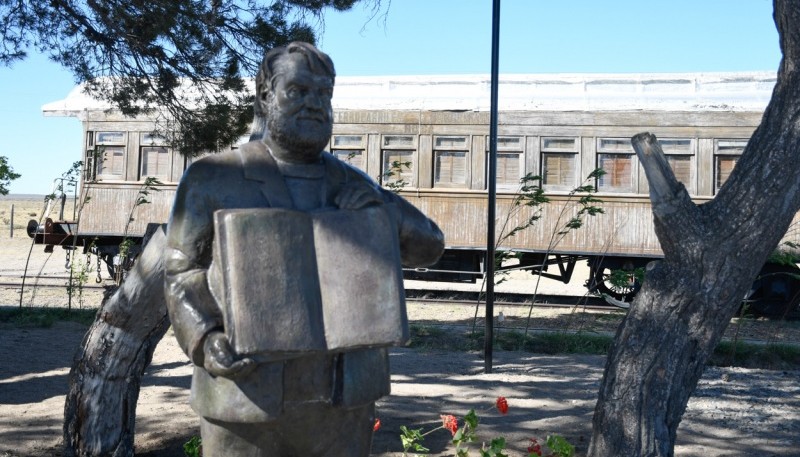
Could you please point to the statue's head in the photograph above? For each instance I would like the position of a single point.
(294, 87)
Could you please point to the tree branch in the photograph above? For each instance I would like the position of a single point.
(674, 213)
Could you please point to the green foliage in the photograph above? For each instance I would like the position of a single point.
(6, 175)
(734, 353)
(78, 277)
(532, 198)
(466, 434)
(45, 317)
(622, 279)
(767, 356)
(411, 439)
(586, 204)
(559, 446)
(184, 57)
(193, 447)
(530, 195)
(142, 198)
(429, 337)
(555, 342)
(787, 254)
(495, 448)
(392, 178)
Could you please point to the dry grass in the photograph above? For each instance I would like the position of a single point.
(25, 208)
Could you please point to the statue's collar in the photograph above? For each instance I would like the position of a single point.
(299, 170)
(259, 165)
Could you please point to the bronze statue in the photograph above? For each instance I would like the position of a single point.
(237, 294)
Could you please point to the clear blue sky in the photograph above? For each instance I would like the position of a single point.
(446, 37)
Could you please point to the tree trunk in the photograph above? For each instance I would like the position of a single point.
(100, 411)
(712, 253)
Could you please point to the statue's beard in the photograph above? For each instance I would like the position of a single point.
(302, 145)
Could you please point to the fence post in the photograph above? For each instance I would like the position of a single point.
(11, 223)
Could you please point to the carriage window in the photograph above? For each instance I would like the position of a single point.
(450, 161)
(109, 155)
(397, 152)
(559, 162)
(398, 141)
(557, 144)
(156, 162)
(110, 138)
(509, 161)
(508, 170)
(350, 149)
(726, 156)
(682, 168)
(615, 156)
(558, 171)
(156, 158)
(679, 153)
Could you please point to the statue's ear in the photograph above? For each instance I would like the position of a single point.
(260, 103)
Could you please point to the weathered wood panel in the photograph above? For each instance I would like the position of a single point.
(625, 228)
(109, 206)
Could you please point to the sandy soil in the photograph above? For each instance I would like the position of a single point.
(735, 412)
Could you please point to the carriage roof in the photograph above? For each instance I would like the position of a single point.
(733, 91)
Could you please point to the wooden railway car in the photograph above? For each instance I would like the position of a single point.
(559, 127)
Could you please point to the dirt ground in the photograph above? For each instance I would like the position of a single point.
(734, 412)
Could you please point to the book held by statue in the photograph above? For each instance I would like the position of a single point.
(291, 281)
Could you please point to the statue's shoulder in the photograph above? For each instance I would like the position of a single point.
(213, 166)
(349, 171)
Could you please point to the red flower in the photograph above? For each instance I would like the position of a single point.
(502, 405)
(450, 423)
(377, 425)
(534, 448)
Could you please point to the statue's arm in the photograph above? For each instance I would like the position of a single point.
(193, 310)
(421, 240)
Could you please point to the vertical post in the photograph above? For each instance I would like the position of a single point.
(11, 223)
(489, 321)
(63, 203)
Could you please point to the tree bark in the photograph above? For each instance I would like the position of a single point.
(100, 410)
(712, 253)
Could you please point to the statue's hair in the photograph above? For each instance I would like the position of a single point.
(317, 61)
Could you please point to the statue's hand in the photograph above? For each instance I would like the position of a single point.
(220, 359)
(357, 195)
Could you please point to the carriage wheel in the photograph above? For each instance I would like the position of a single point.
(618, 284)
(776, 292)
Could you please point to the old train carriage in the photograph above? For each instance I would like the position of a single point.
(560, 127)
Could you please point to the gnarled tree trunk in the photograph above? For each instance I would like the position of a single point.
(712, 253)
(100, 411)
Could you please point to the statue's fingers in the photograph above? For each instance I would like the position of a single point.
(238, 368)
(215, 367)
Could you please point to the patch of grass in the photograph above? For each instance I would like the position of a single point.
(747, 355)
(438, 337)
(552, 342)
(45, 317)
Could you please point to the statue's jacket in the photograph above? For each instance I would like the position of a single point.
(250, 178)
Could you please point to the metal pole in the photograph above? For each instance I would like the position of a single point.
(11, 230)
(489, 337)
